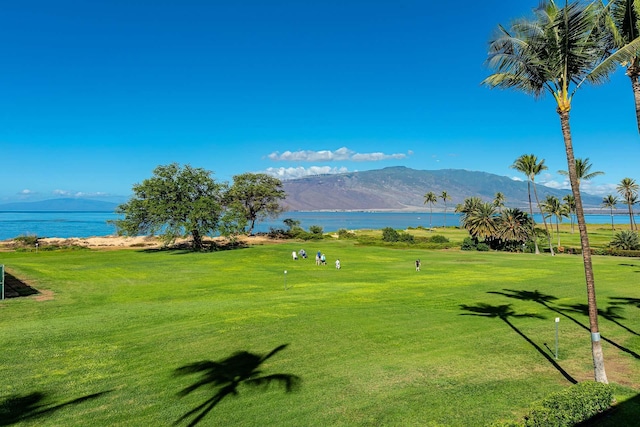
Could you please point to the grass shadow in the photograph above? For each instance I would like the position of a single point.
(187, 248)
(631, 265)
(611, 314)
(544, 300)
(18, 408)
(226, 376)
(14, 287)
(625, 301)
(505, 313)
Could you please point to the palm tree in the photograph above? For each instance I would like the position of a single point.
(528, 164)
(610, 202)
(583, 168)
(482, 222)
(553, 207)
(498, 201)
(445, 196)
(555, 52)
(622, 21)
(570, 202)
(430, 198)
(628, 189)
(514, 225)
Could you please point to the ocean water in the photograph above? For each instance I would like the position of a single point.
(88, 224)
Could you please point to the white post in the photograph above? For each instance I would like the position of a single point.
(557, 322)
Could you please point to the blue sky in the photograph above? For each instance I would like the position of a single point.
(95, 94)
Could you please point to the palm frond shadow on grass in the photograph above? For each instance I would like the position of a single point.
(545, 299)
(612, 314)
(631, 265)
(226, 375)
(625, 301)
(18, 408)
(505, 313)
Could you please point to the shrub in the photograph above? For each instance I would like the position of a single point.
(390, 235)
(315, 229)
(26, 239)
(570, 406)
(438, 238)
(468, 244)
(405, 238)
(482, 247)
(346, 234)
(626, 240)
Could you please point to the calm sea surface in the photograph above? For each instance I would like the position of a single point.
(88, 224)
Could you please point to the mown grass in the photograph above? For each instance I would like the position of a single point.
(466, 341)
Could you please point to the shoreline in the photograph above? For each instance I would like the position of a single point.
(124, 242)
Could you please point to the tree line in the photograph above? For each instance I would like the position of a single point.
(512, 229)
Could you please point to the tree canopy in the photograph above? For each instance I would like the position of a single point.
(255, 196)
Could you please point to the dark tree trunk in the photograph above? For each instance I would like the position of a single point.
(596, 344)
(197, 240)
(634, 72)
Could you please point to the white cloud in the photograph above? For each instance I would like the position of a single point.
(585, 186)
(79, 194)
(340, 154)
(300, 172)
(516, 178)
(27, 192)
(599, 189)
(564, 185)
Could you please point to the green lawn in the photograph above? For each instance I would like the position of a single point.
(467, 341)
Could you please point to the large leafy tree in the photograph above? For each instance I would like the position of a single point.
(445, 196)
(430, 198)
(628, 189)
(529, 165)
(254, 197)
(175, 202)
(610, 201)
(554, 53)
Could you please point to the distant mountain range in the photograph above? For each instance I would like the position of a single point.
(391, 189)
(403, 189)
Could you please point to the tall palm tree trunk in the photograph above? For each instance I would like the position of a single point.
(630, 215)
(444, 223)
(596, 344)
(533, 223)
(544, 220)
(634, 72)
(612, 227)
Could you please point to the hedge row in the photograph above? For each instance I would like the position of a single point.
(568, 407)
